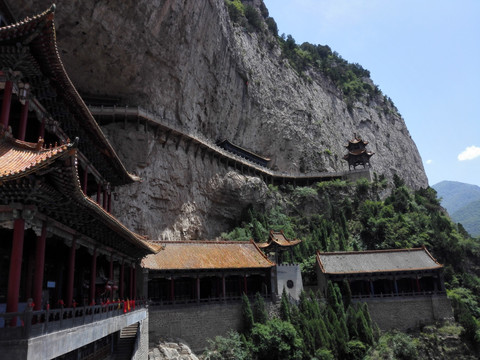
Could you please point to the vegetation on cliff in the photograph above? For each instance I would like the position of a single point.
(351, 78)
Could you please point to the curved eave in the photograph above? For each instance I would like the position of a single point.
(14, 155)
(39, 34)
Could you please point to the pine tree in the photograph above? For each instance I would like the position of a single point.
(260, 314)
(285, 307)
(247, 315)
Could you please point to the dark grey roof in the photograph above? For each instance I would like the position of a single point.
(376, 261)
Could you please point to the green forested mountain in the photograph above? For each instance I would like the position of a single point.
(462, 202)
(469, 217)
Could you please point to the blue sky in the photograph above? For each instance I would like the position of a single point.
(423, 54)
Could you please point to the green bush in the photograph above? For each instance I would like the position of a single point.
(236, 10)
(253, 17)
(230, 347)
(276, 339)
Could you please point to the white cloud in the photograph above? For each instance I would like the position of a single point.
(469, 153)
(429, 161)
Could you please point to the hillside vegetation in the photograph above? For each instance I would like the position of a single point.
(339, 215)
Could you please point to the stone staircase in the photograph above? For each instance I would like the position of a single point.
(126, 342)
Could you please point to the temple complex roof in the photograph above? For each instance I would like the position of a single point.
(47, 178)
(277, 238)
(207, 255)
(29, 49)
(376, 261)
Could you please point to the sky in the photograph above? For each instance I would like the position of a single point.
(423, 54)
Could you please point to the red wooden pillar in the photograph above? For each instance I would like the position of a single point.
(122, 279)
(71, 273)
(7, 99)
(198, 289)
(15, 271)
(41, 131)
(39, 268)
(105, 198)
(134, 281)
(30, 270)
(172, 289)
(131, 283)
(22, 130)
(93, 276)
(245, 284)
(224, 294)
(85, 180)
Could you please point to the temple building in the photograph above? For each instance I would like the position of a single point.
(70, 267)
(387, 278)
(357, 153)
(206, 271)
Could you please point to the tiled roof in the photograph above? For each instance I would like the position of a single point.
(356, 140)
(376, 261)
(278, 238)
(207, 255)
(19, 158)
(38, 33)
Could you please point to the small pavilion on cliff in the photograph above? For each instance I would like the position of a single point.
(277, 244)
(206, 271)
(357, 153)
(382, 273)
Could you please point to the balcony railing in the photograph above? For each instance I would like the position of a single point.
(29, 324)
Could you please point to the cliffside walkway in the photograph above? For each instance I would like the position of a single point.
(203, 146)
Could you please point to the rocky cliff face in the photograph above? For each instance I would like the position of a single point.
(186, 61)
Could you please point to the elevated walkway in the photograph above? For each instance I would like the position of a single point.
(52, 333)
(202, 146)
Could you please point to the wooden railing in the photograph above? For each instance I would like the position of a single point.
(206, 145)
(29, 323)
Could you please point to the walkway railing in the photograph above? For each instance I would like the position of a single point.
(28, 324)
(207, 145)
(397, 295)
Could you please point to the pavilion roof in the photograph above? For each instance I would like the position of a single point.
(278, 238)
(356, 139)
(207, 255)
(376, 261)
(48, 179)
(30, 47)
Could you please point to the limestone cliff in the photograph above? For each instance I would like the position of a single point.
(187, 62)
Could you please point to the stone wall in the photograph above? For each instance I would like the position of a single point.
(194, 325)
(406, 313)
(141, 352)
